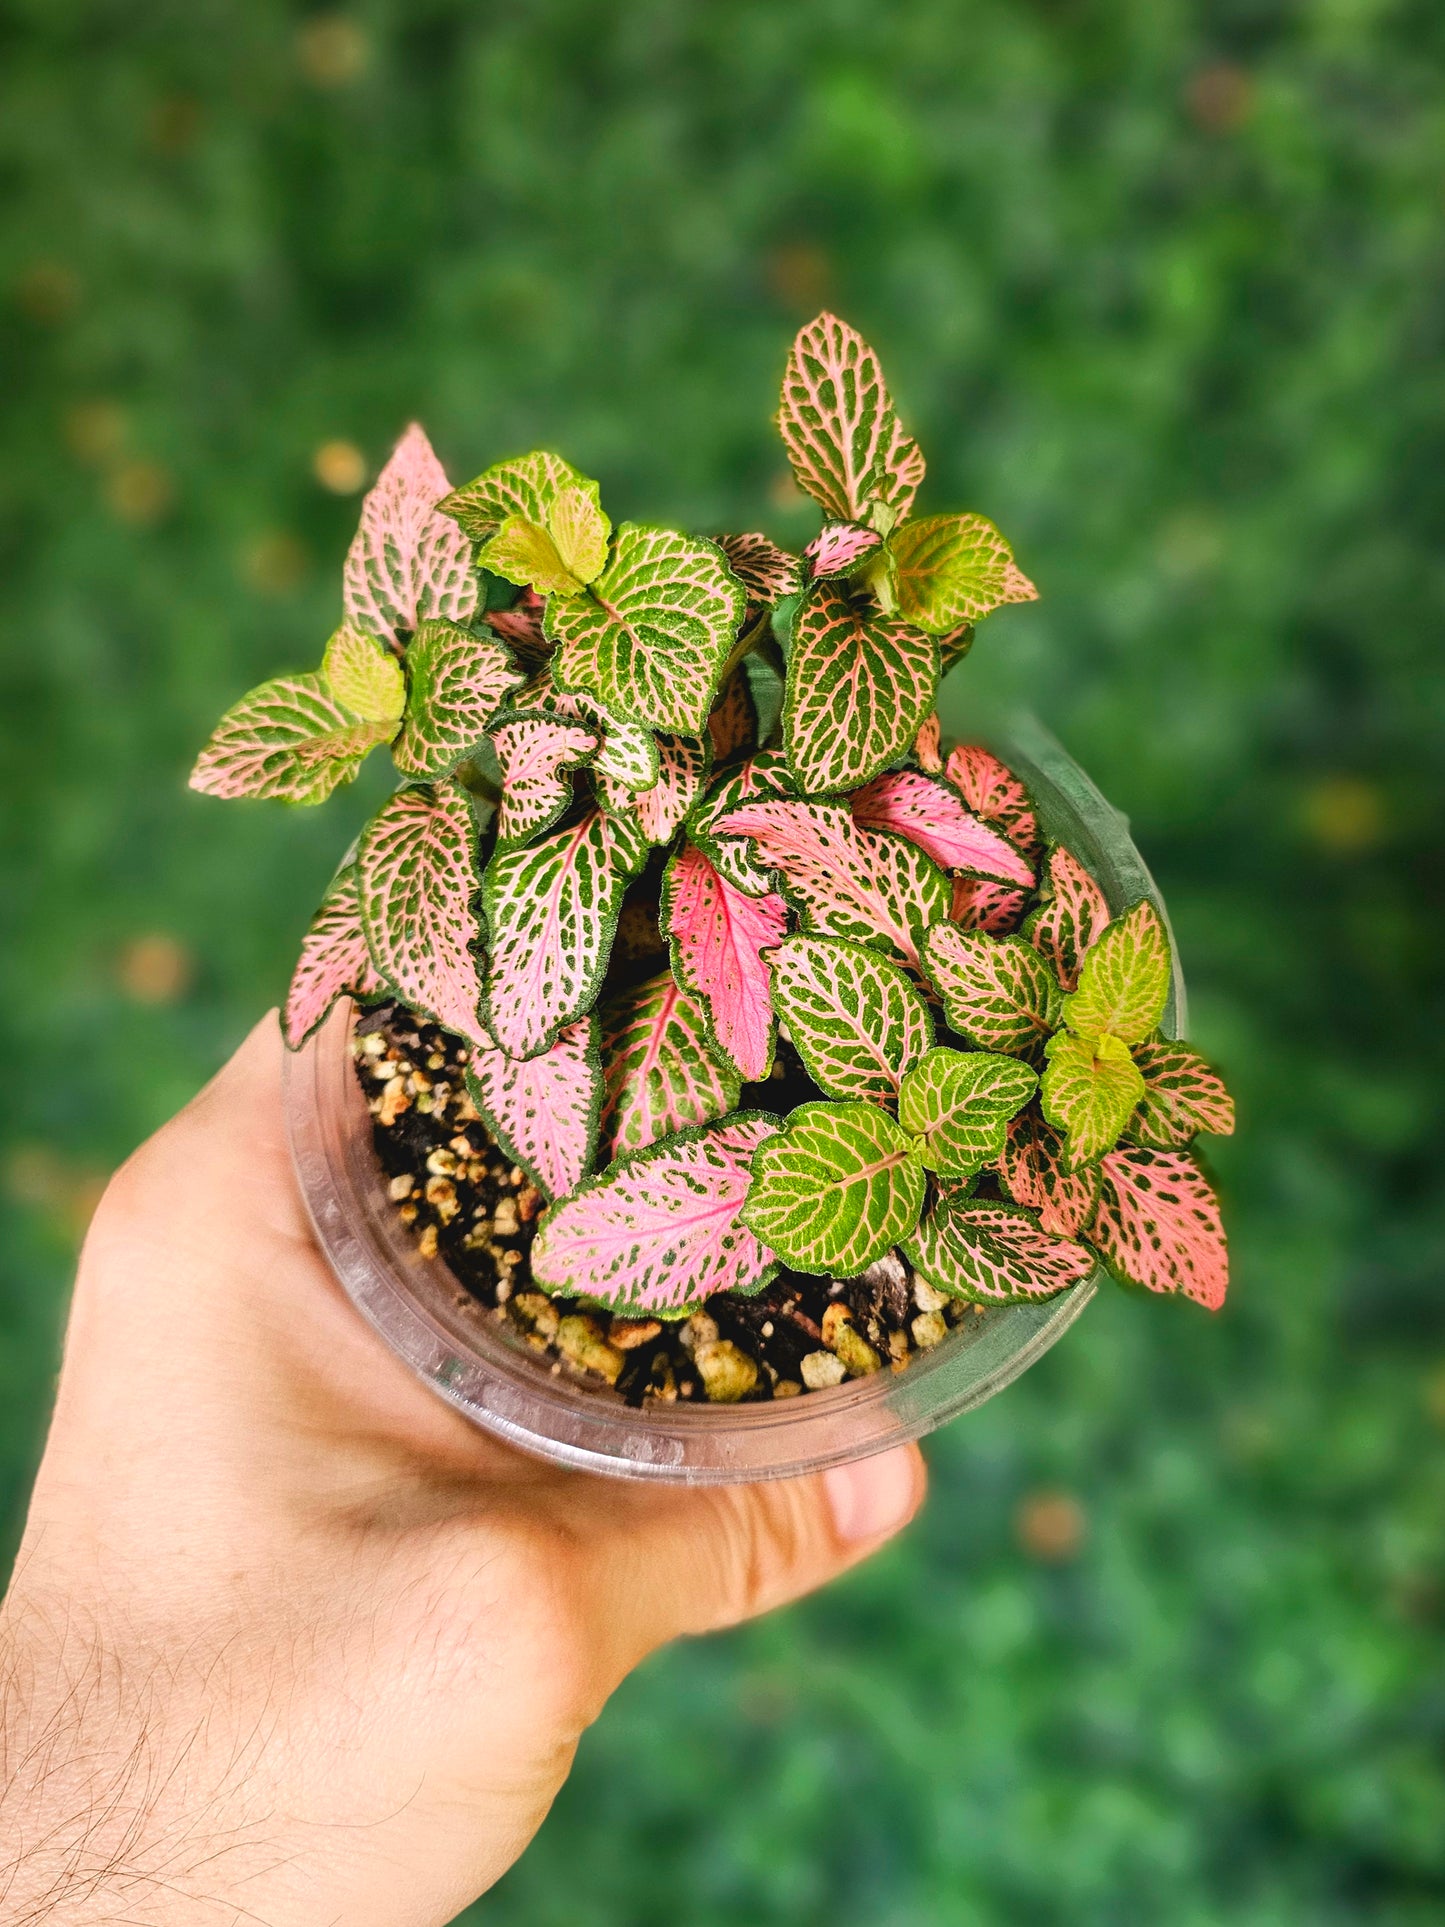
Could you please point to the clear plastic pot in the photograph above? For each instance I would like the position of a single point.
(427, 1318)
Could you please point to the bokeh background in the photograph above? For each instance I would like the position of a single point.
(1161, 286)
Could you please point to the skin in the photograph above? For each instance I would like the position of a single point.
(288, 1640)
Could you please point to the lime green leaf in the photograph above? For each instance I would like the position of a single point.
(854, 1018)
(951, 569)
(1123, 980)
(364, 675)
(580, 531)
(1182, 1095)
(997, 991)
(524, 552)
(859, 684)
(994, 1254)
(526, 486)
(290, 738)
(456, 683)
(959, 1104)
(1090, 1088)
(836, 1189)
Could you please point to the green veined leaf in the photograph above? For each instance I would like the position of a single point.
(526, 486)
(289, 738)
(950, 569)
(543, 1110)
(994, 1254)
(997, 991)
(958, 1104)
(456, 683)
(859, 685)
(334, 961)
(838, 425)
(1033, 1174)
(1183, 1094)
(653, 632)
(660, 1075)
(1123, 980)
(836, 1189)
(364, 675)
(1158, 1226)
(855, 1020)
(417, 881)
(1090, 1088)
(551, 912)
(1071, 918)
(536, 753)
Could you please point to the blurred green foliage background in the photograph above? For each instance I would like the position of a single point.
(1161, 285)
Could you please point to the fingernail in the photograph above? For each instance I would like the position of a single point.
(871, 1497)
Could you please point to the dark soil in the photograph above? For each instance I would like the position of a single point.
(470, 1205)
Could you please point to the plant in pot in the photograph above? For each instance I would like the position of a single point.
(719, 1044)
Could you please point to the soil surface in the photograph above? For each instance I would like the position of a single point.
(467, 1203)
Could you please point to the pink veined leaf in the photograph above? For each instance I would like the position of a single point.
(926, 746)
(456, 683)
(732, 726)
(954, 645)
(847, 881)
(552, 911)
(837, 422)
(902, 473)
(407, 561)
(660, 1230)
(543, 1110)
(683, 766)
(767, 572)
(334, 962)
(417, 880)
(981, 905)
(994, 1254)
(930, 814)
(1158, 1225)
(839, 547)
(764, 773)
(718, 938)
(537, 754)
(859, 685)
(1183, 1093)
(1033, 1174)
(659, 1074)
(997, 991)
(992, 791)
(1072, 917)
(627, 751)
(289, 738)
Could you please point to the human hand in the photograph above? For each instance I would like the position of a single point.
(288, 1639)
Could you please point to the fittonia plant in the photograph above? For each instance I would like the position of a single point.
(574, 708)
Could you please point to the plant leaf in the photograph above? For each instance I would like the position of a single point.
(765, 773)
(627, 752)
(684, 763)
(417, 880)
(954, 645)
(930, 814)
(846, 881)
(992, 791)
(521, 626)
(660, 1075)
(406, 561)
(981, 905)
(958, 1104)
(524, 552)
(927, 746)
(365, 677)
(289, 738)
(1123, 980)
(855, 1020)
(651, 636)
(859, 685)
(551, 912)
(580, 531)
(1090, 1088)
(334, 961)
(767, 573)
(834, 1190)
(1182, 1094)
(526, 486)
(839, 547)
(1158, 1226)
(837, 422)
(902, 473)
(537, 754)
(718, 936)
(732, 723)
(994, 1254)
(1071, 918)
(1033, 1173)
(543, 1110)
(456, 683)
(949, 569)
(997, 991)
(660, 1231)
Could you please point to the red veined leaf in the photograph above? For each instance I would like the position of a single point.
(767, 572)
(660, 1075)
(543, 1110)
(839, 547)
(926, 746)
(1033, 1174)
(859, 684)
(417, 880)
(1123, 979)
(846, 881)
(364, 676)
(1071, 918)
(1090, 1088)
(525, 486)
(837, 422)
(551, 912)
(537, 754)
(997, 991)
(930, 814)
(950, 569)
(289, 738)
(765, 773)
(407, 561)
(683, 767)
(994, 1254)
(732, 724)
(456, 683)
(981, 905)
(992, 791)
(854, 1018)
(650, 636)
(334, 961)
(1158, 1226)
(902, 473)
(718, 936)
(1182, 1094)
(659, 1231)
